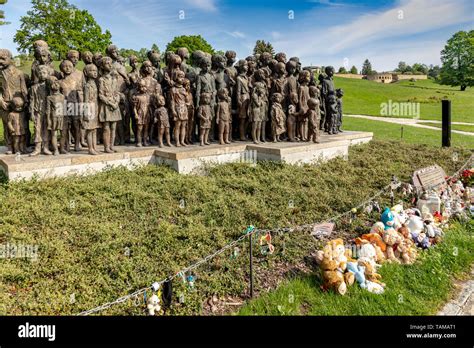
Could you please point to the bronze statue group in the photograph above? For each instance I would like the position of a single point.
(261, 98)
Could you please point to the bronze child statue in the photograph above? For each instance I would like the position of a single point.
(163, 121)
(242, 96)
(313, 116)
(190, 107)
(109, 100)
(55, 113)
(141, 110)
(17, 125)
(224, 117)
(38, 95)
(278, 117)
(179, 110)
(258, 110)
(204, 115)
(303, 96)
(90, 118)
(339, 95)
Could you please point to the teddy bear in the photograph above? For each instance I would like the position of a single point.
(406, 251)
(359, 273)
(376, 240)
(421, 240)
(370, 272)
(153, 305)
(378, 227)
(387, 218)
(404, 231)
(333, 262)
(392, 238)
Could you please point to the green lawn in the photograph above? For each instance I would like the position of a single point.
(363, 97)
(460, 127)
(107, 235)
(411, 135)
(418, 289)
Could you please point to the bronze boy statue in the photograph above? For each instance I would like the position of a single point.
(163, 121)
(204, 115)
(224, 117)
(55, 113)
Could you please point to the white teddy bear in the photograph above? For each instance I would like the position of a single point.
(153, 305)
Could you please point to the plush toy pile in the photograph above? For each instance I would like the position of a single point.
(397, 237)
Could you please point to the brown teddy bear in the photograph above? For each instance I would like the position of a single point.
(392, 238)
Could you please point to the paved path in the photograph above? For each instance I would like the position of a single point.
(414, 123)
(463, 303)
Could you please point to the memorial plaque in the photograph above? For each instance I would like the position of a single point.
(432, 177)
(322, 230)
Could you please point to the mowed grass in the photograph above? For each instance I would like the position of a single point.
(418, 289)
(411, 135)
(107, 235)
(363, 97)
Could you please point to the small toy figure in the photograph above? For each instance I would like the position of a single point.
(153, 305)
(16, 125)
(242, 96)
(313, 117)
(258, 110)
(109, 97)
(90, 118)
(339, 95)
(205, 117)
(179, 111)
(162, 118)
(278, 117)
(141, 111)
(223, 117)
(55, 113)
(38, 95)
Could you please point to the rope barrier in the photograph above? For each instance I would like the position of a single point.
(252, 231)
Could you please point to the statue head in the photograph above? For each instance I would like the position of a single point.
(142, 86)
(339, 93)
(91, 71)
(133, 61)
(147, 68)
(154, 57)
(219, 61)
(179, 77)
(205, 98)
(230, 55)
(73, 56)
(252, 63)
(265, 59)
(298, 64)
(260, 75)
(205, 64)
(39, 43)
(304, 77)
(53, 84)
(280, 68)
(161, 100)
(87, 57)
(5, 58)
(17, 104)
(66, 67)
(197, 57)
(183, 52)
(97, 59)
(113, 52)
(43, 73)
(281, 57)
(106, 64)
(291, 67)
(42, 55)
(242, 66)
(223, 94)
(329, 70)
(313, 103)
(314, 91)
(173, 60)
(277, 98)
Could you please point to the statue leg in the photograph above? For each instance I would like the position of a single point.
(113, 132)
(160, 136)
(140, 135)
(177, 127)
(183, 132)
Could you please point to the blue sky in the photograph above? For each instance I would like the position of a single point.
(321, 32)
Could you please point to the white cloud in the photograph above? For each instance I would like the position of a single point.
(275, 35)
(206, 5)
(377, 29)
(236, 34)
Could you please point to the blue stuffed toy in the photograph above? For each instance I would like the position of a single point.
(359, 272)
(387, 218)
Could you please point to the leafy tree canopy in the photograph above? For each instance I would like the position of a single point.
(262, 46)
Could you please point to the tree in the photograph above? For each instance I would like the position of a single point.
(434, 71)
(367, 68)
(353, 70)
(457, 58)
(63, 26)
(155, 48)
(402, 67)
(2, 13)
(419, 68)
(262, 46)
(191, 42)
(342, 70)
